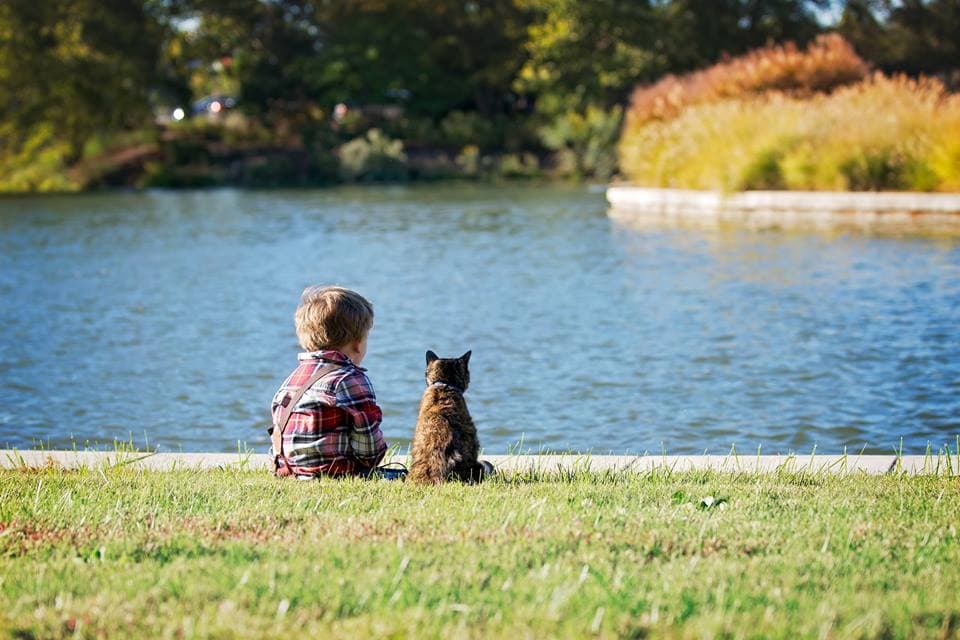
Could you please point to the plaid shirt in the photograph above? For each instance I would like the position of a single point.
(335, 427)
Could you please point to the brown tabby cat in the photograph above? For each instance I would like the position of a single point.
(445, 441)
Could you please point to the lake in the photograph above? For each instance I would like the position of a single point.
(165, 318)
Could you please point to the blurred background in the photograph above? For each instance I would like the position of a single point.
(313, 92)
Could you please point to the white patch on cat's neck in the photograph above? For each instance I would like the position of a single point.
(437, 383)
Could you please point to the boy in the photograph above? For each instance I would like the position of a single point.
(333, 428)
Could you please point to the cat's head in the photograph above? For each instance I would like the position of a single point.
(452, 371)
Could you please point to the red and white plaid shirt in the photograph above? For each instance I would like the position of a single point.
(335, 427)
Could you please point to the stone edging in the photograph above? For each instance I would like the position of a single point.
(869, 464)
(897, 211)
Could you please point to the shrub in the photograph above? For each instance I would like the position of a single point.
(468, 161)
(270, 171)
(34, 162)
(883, 133)
(519, 165)
(589, 140)
(829, 62)
(462, 128)
(373, 157)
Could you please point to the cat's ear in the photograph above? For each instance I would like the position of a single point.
(466, 357)
(431, 356)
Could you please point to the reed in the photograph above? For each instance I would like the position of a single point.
(879, 134)
(829, 62)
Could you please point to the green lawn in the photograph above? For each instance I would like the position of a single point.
(124, 553)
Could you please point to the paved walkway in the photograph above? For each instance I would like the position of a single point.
(545, 463)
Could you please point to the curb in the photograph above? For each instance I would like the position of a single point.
(567, 463)
(877, 211)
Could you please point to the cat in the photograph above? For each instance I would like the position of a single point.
(445, 443)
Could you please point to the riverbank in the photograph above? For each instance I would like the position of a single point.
(217, 154)
(122, 552)
(864, 211)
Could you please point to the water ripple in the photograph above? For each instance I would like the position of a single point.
(166, 317)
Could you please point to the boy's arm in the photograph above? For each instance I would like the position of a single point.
(355, 396)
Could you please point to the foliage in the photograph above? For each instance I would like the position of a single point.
(76, 67)
(587, 52)
(585, 57)
(589, 137)
(429, 55)
(115, 552)
(36, 163)
(882, 133)
(469, 161)
(462, 128)
(518, 165)
(828, 62)
(583, 53)
(914, 37)
(373, 157)
(507, 76)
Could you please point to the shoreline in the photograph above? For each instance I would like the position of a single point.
(867, 210)
(13, 459)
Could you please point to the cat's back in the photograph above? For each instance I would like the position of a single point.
(444, 438)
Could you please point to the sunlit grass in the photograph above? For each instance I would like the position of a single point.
(118, 552)
(826, 64)
(782, 118)
(883, 133)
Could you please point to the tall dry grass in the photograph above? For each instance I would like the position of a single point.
(827, 63)
(878, 134)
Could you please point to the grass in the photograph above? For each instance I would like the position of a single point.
(780, 118)
(117, 552)
(827, 63)
(880, 134)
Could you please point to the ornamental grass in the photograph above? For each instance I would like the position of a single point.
(880, 133)
(829, 62)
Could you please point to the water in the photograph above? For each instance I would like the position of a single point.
(166, 318)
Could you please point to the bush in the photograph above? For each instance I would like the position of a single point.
(519, 165)
(462, 128)
(828, 63)
(882, 133)
(35, 162)
(588, 139)
(270, 171)
(468, 161)
(373, 157)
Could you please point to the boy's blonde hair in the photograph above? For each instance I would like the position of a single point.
(331, 317)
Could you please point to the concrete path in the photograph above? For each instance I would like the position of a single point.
(873, 464)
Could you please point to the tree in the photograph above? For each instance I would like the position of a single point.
(432, 55)
(76, 67)
(703, 31)
(911, 36)
(583, 53)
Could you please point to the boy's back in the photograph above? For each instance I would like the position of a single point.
(334, 427)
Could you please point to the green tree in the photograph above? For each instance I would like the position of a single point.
(584, 53)
(432, 55)
(76, 67)
(703, 31)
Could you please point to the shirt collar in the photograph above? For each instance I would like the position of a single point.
(328, 355)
